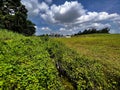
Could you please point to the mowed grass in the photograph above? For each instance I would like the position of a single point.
(102, 47)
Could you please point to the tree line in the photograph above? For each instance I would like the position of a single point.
(93, 30)
(13, 16)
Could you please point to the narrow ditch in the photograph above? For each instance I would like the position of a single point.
(65, 78)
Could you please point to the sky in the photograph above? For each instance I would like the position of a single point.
(71, 16)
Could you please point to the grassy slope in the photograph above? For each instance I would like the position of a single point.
(104, 48)
(26, 64)
(30, 63)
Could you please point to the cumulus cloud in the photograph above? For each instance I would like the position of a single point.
(43, 7)
(96, 16)
(48, 17)
(71, 15)
(32, 7)
(68, 12)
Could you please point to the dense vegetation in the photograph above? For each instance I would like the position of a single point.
(40, 63)
(13, 16)
(25, 64)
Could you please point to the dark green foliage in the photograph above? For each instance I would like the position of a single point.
(93, 30)
(13, 16)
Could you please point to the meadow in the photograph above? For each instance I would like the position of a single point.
(104, 48)
(43, 63)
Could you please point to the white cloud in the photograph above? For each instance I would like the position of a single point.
(48, 17)
(74, 13)
(65, 31)
(45, 29)
(43, 7)
(95, 17)
(42, 30)
(94, 20)
(105, 15)
(32, 7)
(68, 12)
(63, 14)
(71, 16)
(62, 29)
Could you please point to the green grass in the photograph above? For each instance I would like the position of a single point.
(41, 63)
(104, 48)
(95, 45)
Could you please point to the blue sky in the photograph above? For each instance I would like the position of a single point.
(71, 16)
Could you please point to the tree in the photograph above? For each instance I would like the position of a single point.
(105, 30)
(13, 16)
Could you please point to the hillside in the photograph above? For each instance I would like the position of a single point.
(41, 63)
(25, 64)
(104, 48)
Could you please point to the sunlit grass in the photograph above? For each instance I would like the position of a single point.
(40, 63)
(102, 47)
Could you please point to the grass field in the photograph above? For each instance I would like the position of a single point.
(43, 63)
(102, 47)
